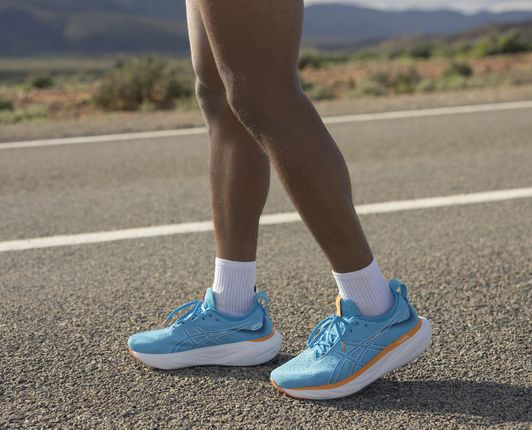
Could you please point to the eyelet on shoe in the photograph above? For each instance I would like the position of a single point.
(365, 325)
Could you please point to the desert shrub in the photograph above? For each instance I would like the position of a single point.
(405, 82)
(511, 42)
(519, 78)
(382, 83)
(376, 84)
(370, 87)
(309, 58)
(42, 82)
(507, 43)
(381, 78)
(141, 82)
(28, 113)
(426, 85)
(484, 47)
(458, 69)
(454, 82)
(6, 105)
(305, 85)
(421, 50)
(320, 92)
(318, 59)
(394, 53)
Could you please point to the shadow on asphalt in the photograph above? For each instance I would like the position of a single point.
(252, 373)
(495, 402)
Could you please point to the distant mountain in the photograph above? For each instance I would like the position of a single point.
(330, 24)
(64, 27)
(81, 27)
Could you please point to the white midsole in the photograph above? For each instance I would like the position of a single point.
(406, 352)
(246, 353)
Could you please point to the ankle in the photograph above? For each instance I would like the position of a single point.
(367, 288)
(234, 286)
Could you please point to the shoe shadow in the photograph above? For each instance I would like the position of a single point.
(495, 402)
(260, 372)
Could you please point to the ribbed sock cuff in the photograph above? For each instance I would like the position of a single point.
(367, 288)
(234, 285)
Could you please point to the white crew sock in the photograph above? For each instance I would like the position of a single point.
(368, 288)
(234, 286)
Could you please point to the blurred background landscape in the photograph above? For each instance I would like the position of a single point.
(64, 59)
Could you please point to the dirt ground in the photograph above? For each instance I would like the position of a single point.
(105, 123)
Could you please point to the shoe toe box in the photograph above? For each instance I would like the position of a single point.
(304, 370)
(151, 342)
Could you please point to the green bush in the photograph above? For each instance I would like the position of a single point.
(511, 42)
(458, 69)
(507, 43)
(484, 47)
(148, 82)
(42, 82)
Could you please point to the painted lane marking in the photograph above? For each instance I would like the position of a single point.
(269, 219)
(342, 119)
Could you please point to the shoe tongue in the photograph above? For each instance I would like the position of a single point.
(208, 301)
(346, 308)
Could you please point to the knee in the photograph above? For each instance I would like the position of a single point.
(258, 102)
(210, 98)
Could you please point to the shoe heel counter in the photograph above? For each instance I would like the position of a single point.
(413, 311)
(408, 315)
(267, 326)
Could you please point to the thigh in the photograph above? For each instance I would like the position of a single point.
(201, 52)
(254, 41)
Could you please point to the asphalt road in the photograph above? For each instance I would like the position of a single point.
(66, 312)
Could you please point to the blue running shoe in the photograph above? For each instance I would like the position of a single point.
(347, 351)
(203, 336)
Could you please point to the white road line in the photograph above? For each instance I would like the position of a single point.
(378, 116)
(104, 138)
(280, 218)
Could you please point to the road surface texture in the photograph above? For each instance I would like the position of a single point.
(66, 312)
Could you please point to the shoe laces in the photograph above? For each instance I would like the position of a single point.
(327, 333)
(191, 310)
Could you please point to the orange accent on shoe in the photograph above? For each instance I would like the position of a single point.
(370, 363)
(343, 346)
(130, 352)
(338, 306)
(283, 392)
(262, 339)
(359, 372)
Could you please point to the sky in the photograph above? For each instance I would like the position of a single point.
(468, 6)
